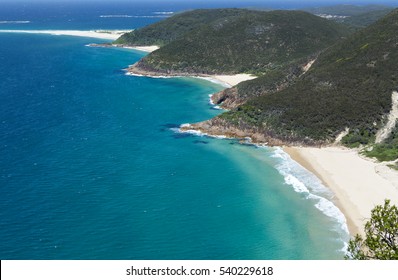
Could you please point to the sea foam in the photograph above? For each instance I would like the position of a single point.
(197, 132)
(14, 21)
(163, 13)
(303, 181)
(299, 178)
(135, 16)
(115, 16)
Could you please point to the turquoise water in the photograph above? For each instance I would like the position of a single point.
(92, 167)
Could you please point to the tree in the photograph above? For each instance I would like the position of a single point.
(381, 236)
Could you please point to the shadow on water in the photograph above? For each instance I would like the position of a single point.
(200, 142)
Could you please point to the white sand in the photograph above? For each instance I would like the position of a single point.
(143, 48)
(359, 184)
(101, 34)
(224, 80)
(232, 80)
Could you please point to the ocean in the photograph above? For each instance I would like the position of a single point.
(92, 165)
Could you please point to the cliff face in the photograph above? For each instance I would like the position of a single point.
(261, 135)
(227, 98)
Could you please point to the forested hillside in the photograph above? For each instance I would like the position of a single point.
(242, 41)
(349, 86)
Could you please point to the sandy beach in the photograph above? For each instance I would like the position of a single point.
(359, 184)
(230, 80)
(225, 80)
(140, 48)
(100, 34)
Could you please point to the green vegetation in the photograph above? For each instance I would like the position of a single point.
(366, 19)
(165, 31)
(359, 137)
(354, 16)
(383, 152)
(347, 10)
(386, 151)
(349, 85)
(393, 166)
(240, 41)
(269, 82)
(381, 231)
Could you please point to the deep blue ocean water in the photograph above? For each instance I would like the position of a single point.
(92, 167)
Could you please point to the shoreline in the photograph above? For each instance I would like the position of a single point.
(225, 80)
(147, 49)
(358, 183)
(229, 80)
(100, 34)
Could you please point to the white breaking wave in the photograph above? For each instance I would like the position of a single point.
(135, 16)
(197, 132)
(210, 100)
(115, 16)
(307, 183)
(301, 180)
(214, 106)
(215, 81)
(163, 13)
(153, 77)
(14, 21)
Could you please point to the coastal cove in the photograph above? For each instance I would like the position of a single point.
(106, 176)
(354, 194)
(340, 92)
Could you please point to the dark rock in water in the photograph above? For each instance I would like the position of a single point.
(247, 144)
(201, 142)
(181, 135)
(103, 45)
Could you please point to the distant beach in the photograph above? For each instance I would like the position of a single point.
(224, 80)
(100, 34)
(359, 183)
(229, 80)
